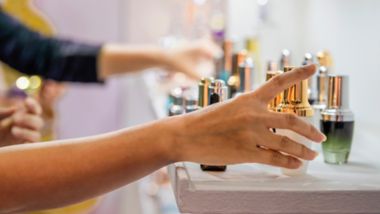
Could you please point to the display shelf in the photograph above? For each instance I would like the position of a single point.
(251, 188)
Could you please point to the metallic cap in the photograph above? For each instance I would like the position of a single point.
(246, 72)
(312, 81)
(275, 103)
(285, 59)
(338, 100)
(308, 59)
(176, 95)
(296, 98)
(190, 98)
(203, 91)
(338, 92)
(322, 85)
(228, 47)
(272, 66)
(288, 68)
(238, 59)
(219, 87)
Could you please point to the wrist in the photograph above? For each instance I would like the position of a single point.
(174, 140)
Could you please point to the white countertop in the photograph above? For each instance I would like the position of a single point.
(254, 188)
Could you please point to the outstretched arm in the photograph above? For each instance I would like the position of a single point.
(72, 61)
(236, 131)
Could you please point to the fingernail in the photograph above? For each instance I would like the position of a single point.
(324, 138)
(297, 163)
(315, 154)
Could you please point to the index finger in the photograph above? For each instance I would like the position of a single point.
(283, 81)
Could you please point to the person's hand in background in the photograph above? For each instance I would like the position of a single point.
(189, 58)
(120, 59)
(20, 124)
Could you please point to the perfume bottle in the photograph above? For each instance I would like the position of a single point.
(203, 91)
(176, 102)
(272, 71)
(295, 101)
(337, 121)
(234, 80)
(218, 93)
(285, 59)
(312, 81)
(325, 68)
(252, 46)
(190, 101)
(246, 72)
(226, 71)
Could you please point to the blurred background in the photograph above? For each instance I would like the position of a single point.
(348, 29)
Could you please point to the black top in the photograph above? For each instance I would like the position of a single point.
(34, 54)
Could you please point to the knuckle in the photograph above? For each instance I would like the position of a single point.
(277, 158)
(278, 81)
(284, 142)
(291, 119)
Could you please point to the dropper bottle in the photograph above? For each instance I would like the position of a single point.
(218, 93)
(272, 71)
(295, 101)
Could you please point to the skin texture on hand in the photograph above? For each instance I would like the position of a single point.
(20, 124)
(237, 131)
(119, 59)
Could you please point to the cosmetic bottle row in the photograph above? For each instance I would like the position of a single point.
(236, 67)
(323, 100)
(210, 91)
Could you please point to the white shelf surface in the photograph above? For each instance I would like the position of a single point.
(253, 188)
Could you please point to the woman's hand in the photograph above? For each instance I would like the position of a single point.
(187, 58)
(20, 125)
(238, 131)
(122, 59)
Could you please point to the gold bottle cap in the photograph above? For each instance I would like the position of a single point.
(203, 91)
(272, 66)
(295, 98)
(275, 103)
(237, 60)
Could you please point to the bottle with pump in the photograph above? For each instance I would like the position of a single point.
(295, 101)
(218, 93)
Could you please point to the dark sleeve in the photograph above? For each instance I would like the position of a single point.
(34, 54)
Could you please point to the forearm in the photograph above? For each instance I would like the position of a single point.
(64, 172)
(117, 59)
